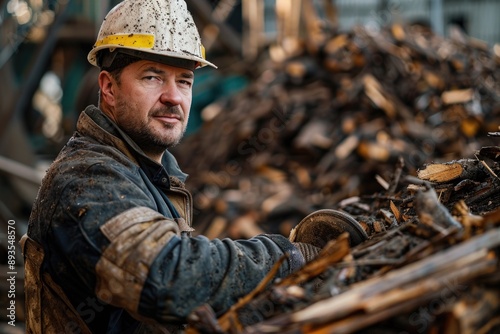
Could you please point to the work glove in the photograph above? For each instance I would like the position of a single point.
(308, 251)
(314, 231)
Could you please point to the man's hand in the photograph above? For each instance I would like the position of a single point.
(308, 251)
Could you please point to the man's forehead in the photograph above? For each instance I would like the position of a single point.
(148, 65)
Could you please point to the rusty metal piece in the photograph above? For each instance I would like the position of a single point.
(324, 225)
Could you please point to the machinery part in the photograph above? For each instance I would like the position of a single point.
(324, 225)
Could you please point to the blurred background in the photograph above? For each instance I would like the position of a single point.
(46, 81)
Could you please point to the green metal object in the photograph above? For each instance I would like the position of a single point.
(209, 86)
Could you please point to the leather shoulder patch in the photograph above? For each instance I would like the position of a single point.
(116, 225)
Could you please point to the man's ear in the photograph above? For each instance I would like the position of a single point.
(107, 85)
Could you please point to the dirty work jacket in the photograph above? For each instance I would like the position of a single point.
(109, 242)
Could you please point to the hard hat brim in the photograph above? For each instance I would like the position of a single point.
(164, 57)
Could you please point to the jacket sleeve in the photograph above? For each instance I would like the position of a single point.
(152, 271)
(217, 272)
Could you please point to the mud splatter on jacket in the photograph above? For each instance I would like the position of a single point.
(109, 234)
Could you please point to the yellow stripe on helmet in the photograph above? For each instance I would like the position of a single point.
(202, 51)
(142, 41)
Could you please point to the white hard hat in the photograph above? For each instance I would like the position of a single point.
(161, 30)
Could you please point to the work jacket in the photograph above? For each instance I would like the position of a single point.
(109, 246)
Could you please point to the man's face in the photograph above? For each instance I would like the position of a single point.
(152, 103)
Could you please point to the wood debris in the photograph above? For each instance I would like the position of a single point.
(332, 122)
(433, 269)
(395, 127)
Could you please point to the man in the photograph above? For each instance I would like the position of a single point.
(108, 248)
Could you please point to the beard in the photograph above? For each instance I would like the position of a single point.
(149, 138)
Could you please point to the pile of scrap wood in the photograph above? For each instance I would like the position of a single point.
(430, 265)
(396, 128)
(333, 119)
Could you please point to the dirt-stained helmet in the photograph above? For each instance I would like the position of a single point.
(160, 30)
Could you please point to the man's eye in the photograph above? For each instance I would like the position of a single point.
(186, 82)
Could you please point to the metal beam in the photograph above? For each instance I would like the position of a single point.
(437, 20)
(20, 170)
(203, 10)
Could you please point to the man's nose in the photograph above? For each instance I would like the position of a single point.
(171, 94)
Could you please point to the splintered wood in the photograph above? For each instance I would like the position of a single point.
(395, 127)
(434, 268)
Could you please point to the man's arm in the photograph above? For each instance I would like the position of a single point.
(140, 261)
